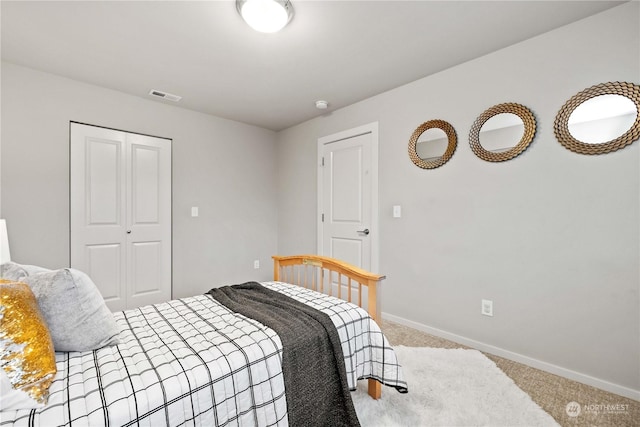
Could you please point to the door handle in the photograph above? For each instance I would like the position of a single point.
(128, 231)
(365, 231)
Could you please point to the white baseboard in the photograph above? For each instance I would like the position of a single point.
(516, 357)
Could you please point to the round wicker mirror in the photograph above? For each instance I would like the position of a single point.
(437, 161)
(623, 138)
(522, 112)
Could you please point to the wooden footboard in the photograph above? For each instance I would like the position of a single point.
(333, 277)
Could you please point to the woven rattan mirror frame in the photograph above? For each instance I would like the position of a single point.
(451, 145)
(561, 124)
(509, 107)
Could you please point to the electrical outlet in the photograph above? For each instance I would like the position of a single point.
(256, 264)
(487, 307)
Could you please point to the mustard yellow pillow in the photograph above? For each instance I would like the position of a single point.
(27, 357)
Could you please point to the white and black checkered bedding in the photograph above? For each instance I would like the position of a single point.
(193, 362)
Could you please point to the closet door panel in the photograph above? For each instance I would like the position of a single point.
(104, 185)
(104, 264)
(98, 209)
(149, 220)
(146, 280)
(145, 184)
(121, 214)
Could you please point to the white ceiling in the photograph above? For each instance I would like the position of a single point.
(338, 51)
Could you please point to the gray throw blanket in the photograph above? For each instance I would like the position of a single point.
(315, 378)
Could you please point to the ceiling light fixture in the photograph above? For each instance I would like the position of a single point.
(265, 16)
(322, 105)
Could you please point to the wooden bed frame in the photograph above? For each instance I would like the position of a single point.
(323, 274)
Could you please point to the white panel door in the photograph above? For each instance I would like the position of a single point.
(121, 214)
(347, 201)
(149, 220)
(348, 196)
(98, 209)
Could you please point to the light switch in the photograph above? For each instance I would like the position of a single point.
(194, 211)
(397, 211)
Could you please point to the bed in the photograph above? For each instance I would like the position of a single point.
(193, 361)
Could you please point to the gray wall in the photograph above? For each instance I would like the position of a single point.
(552, 237)
(225, 168)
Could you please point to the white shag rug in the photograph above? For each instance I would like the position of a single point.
(449, 387)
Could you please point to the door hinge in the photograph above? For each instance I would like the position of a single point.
(323, 162)
(322, 217)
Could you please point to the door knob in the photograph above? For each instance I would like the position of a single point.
(128, 231)
(365, 231)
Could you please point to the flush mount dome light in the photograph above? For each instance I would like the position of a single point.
(266, 16)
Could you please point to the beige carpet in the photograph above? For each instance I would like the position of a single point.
(551, 392)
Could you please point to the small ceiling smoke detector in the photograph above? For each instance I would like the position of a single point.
(322, 105)
(165, 95)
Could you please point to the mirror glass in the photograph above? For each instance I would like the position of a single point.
(501, 132)
(602, 118)
(432, 144)
(598, 119)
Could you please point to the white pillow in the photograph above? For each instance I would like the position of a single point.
(75, 312)
(14, 271)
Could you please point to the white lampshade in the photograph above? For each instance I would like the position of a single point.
(266, 16)
(5, 255)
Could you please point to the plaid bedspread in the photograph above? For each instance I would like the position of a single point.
(193, 362)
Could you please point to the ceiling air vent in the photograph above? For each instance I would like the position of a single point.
(165, 95)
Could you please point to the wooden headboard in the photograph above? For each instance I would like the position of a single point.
(322, 274)
(333, 277)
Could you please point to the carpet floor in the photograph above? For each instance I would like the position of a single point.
(551, 392)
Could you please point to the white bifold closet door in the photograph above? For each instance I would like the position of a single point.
(120, 185)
